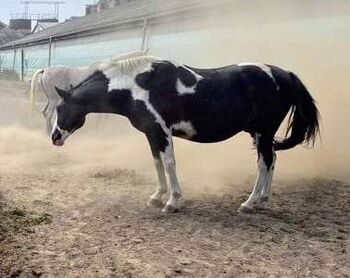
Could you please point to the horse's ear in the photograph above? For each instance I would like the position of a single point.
(71, 86)
(63, 94)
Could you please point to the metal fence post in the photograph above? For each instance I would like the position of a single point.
(22, 64)
(14, 58)
(50, 51)
(144, 34)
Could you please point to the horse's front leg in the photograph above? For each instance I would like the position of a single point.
(175, 197)
(163, 154)
(156, 198)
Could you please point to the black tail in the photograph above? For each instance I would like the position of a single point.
(303, 124)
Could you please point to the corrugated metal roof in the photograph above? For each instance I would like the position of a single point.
(131, 12)
(45, 25)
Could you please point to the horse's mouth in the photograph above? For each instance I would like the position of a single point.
(58, 142)
(57, 138)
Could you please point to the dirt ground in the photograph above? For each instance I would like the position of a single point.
(81, 211)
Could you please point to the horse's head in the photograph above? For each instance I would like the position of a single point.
(70, 116)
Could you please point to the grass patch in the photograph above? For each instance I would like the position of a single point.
(17, 220)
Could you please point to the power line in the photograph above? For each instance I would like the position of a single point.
(28, 3)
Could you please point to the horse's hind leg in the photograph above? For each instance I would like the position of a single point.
(49, 115)
(266, 162)
(266, 190)
(44, 110)
(49, 125)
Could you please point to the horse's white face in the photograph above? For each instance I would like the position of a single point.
(59, 135)
(70, 117)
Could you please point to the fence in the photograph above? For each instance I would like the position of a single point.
(76, 52)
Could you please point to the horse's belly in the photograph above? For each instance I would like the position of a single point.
(204, 132)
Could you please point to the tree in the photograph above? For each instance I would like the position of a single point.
(2, 25)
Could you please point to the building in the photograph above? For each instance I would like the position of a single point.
(200, 32)
(44, 24)
(102, 5)
(8, 35)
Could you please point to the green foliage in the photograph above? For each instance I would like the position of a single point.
(2, 25)
(18, 220)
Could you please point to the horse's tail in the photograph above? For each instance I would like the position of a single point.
(33, 87)
(303, 124)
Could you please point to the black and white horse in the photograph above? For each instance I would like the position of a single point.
(163, 99)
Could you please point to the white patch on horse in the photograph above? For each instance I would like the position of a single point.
(122, 74)
(196, 75)
(185, 127)
(182, 89)
(264, 68)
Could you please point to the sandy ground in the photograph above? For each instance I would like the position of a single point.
(81, 211)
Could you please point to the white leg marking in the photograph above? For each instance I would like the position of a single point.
(259, 184)
(264, 68)
(185, 127)
(172, 204)
(156, 198)
(266, 190)
(262, 187)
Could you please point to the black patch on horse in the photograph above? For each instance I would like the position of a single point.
(187, 78)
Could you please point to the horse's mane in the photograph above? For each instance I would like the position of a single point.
(127, 63)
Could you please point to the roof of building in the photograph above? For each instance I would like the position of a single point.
(43, 25)
(8, 35)
(120, 15)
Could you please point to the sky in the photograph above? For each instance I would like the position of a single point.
(70, 8)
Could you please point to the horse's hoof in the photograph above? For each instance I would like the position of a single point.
(245, 209)
(155, 203)
(170, 209)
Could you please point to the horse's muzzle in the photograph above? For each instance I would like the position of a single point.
(57, 138)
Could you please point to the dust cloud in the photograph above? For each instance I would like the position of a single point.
(316, 50)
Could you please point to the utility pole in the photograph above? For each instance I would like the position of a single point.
(30, 2)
